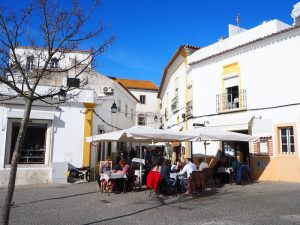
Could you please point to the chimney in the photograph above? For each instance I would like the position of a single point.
(296, 14)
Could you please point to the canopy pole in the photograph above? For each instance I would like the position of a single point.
(191, 150)
(140, 177)
(204, 151)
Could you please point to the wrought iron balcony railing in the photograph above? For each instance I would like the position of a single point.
(174, 104)
(189, 109)
(226, 102)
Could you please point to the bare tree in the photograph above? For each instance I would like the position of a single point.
(57, 31)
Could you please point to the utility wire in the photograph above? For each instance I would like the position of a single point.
(105, 121)
(216, 114)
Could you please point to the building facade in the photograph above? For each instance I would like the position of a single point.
(147, 112)
(249, 83)
(56, 134)
(176, 96)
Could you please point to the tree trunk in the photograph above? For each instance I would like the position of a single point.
(14, 163)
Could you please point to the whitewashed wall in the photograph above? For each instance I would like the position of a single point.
(65, 60)
(151, 108)
(269, 73)
(178, 71)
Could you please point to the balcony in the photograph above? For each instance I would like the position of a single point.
(189, 109)
(174, 104)
(229, 102)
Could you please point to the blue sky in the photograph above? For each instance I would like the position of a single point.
(149, 32)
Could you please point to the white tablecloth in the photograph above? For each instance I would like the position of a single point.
(173, 175)
(224, 170)
(107, 176)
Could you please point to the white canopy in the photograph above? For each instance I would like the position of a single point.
(142, 134)
(213, 134)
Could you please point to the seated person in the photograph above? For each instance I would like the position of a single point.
(202, 165)
(165, 173)
(103, 169)
(180, 163)
(125, 169)
(223, 177)
(158, 165)
(187, 169)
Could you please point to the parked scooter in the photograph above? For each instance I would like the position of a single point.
(83, 173)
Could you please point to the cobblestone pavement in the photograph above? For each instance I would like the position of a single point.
(261, 203)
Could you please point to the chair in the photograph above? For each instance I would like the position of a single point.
(106, 186)
(131, 183)
(153, 181)
(209, 179)
(196, 182)
(102, 163)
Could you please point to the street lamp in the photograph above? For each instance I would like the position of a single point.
(114, 108)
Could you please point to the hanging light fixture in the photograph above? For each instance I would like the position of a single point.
(114, 108)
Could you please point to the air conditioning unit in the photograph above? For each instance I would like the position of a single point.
(107, 90)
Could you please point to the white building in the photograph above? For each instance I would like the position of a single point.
(175, 92)
(248, 83)
(56, 135)
(147, 110)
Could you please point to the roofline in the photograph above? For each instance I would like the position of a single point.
(151, 89)
(127, 91)
(248, 43)
(147, 89)
(175, 55)
(38, 47)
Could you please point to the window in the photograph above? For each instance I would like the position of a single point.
(263, 147)
(34, 146)
(131, 114)
(176, 84)
(126, 110)
(119, 108)
(143, 99)
(141, 120)
(29, 62)
(287, 144)
(54, 63)
(232, 97)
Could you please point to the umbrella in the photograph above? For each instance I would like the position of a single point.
(212, 134)
(141, 134)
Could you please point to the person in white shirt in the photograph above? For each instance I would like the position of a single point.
(187, 169)
(202, 165)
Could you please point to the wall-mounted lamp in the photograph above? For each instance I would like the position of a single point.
(114, 108)
(183, 116)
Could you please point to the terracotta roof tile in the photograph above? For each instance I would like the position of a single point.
(137, 84)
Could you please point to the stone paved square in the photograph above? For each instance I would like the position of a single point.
(258, 203)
